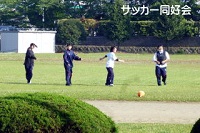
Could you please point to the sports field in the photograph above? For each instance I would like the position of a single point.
(137, 73)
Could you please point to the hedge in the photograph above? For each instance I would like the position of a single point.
(50, 113)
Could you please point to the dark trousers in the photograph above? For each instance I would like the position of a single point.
(68, 75)
(161, 72)
(29, 73)
(110, 76)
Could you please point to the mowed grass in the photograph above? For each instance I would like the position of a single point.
(89, 75)
(137, 73)
(154, 128)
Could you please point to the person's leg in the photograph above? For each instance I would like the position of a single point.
(158, 75)
(164, 75)
(108, 79)
(70, 79)
(29, 73)
(111, 76)
(67, 75)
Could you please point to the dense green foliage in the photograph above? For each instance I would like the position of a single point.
(169, 27)
(196, 127)
(51, 113)
(119, 25)
(70, 31)
(149, 28)
(47, 14)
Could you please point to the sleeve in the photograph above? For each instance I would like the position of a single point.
(154, 57)
(75, 57)
(64, 57)
(167, 56)
(114, 57)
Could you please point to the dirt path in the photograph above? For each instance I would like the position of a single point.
(149, 112)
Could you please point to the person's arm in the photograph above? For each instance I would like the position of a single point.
(155, 59)
(116, 59)
(119, 60)
(103, 57)
(167, 58)
(76, 57)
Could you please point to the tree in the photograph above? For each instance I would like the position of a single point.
(169, 27)
(195, 12)
(27, 13)
(70, 31)
(119, 29)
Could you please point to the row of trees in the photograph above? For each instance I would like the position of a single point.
(48, 13)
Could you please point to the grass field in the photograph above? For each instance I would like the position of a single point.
(137, 73)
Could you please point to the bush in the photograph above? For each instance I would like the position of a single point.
(102, 28)
(90, 26)
(51, 114)
(70, 31)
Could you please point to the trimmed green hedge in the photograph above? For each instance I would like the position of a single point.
(50, 113)
(146, 28)
(196, 127)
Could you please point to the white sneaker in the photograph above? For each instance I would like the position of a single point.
(111, 85)
(29, 82)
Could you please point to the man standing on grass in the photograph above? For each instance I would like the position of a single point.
(68, 58)
(29, 62)
(161, 57)
(111, 58)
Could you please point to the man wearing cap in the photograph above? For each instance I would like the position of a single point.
(68, 58)
(29, 62)
(161, 57)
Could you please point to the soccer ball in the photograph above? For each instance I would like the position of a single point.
(141, 93)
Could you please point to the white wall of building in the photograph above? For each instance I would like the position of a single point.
(19, 41)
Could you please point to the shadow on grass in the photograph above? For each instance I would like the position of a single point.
(57, 84)
(20, 83)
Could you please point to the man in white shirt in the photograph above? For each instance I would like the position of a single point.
(111, 58)
(161, 57)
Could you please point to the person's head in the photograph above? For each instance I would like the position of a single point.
(113, 49)
(32, 46)
(69, 46)
(160, 48)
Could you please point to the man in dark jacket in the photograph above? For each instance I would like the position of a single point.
(29, 62)
(68, 58)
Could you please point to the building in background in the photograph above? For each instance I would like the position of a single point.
(18, 41)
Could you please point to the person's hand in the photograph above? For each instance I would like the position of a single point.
(122, 61)
(157, 62)
(163, 62)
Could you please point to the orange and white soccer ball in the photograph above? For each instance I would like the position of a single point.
(141, 93)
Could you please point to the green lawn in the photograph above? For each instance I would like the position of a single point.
(154, 128)
(137, 73)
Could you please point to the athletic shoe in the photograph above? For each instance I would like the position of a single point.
(111, 85)
(28, 82)
(68, 84)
